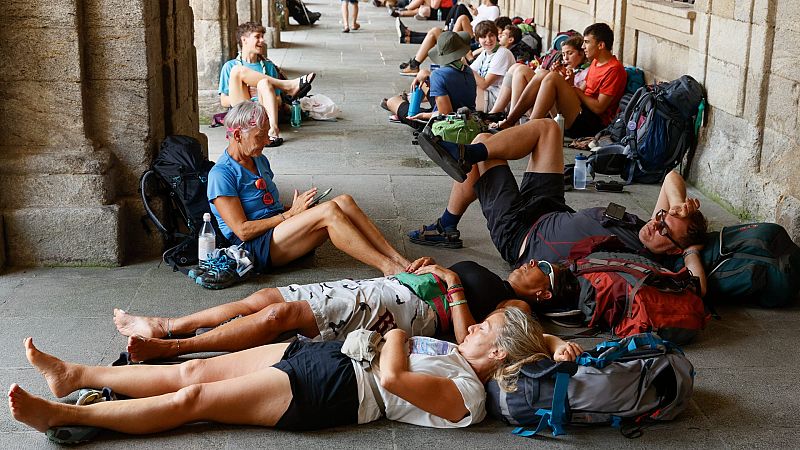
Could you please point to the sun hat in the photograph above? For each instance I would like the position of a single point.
(450, 47)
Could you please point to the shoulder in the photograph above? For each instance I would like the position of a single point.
(228, 65)
(222, 168)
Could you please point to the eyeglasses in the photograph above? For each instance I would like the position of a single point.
(262, 185)
(663, 229)
(547, 269)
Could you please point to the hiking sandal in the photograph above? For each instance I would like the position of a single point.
(435, 236)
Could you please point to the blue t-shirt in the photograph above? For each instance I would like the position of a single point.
(229, 179)
(268, 68)
(459, 85)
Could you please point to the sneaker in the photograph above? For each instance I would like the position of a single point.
(436, 236)
(204, 265)
(221, 276)
(409, 71)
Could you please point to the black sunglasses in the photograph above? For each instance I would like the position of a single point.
(663, 229)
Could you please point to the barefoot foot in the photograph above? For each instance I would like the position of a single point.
(31, 410)
(144, 349)
(60, 375)
(128, 324)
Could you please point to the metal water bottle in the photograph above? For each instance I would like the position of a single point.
(414, 101)
(560, 121)
(439, 14)
(579, 175)
(296, 118)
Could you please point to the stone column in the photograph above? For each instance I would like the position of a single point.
(84, 111)
(215, 42)
(270, 18)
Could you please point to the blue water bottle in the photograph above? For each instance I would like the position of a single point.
(414, 101)
(296, 118)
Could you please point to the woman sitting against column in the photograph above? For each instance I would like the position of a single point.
(248, 209)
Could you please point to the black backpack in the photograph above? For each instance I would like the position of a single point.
(301, 14)
(653, 134)
(179, 177)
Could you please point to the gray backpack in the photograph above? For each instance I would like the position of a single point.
(619, 382)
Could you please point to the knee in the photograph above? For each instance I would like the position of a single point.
(481, 138)
(345, 201)
(236, 71)
(190, 371)
(187, 397)
(281, 316)
(547, 127)
(263, 84)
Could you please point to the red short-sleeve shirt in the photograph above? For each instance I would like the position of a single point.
(608, 79)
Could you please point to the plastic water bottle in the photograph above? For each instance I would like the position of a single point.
(439, 14)
(560, 121)
(414, 101)
(579, 176)
(296, 118)
(207, 240)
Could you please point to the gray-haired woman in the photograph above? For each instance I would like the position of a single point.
(246, 203)
(303, 385)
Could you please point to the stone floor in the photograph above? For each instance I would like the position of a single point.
(745, 395)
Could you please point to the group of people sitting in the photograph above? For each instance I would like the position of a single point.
(367, 347)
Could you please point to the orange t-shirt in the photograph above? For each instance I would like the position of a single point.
(608, 79)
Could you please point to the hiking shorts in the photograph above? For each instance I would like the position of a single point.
(378, 304)
(324, 386)
(510, 210)
(586, 124)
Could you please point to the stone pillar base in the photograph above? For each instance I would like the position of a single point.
(2, 246)
(787, 215)
(272, 37)
(65, 236)
(208, 105)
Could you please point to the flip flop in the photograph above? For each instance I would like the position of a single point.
(275, 141)
(305, 85)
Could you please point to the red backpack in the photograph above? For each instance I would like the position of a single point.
(630, 294)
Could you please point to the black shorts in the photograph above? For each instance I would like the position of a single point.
(324, 386)
(586, 124)
(402, 109)
(510, 211)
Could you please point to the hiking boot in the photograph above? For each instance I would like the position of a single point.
(436, 236)
(204, 265)
(409, 71)
(221, 275)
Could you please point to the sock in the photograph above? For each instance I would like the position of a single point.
(449, 220)
(414, 64)
(472, 152)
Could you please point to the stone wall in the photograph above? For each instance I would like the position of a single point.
(751, 79)
(215, 24)
(100, 84)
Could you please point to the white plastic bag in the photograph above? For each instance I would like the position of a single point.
(320, 107)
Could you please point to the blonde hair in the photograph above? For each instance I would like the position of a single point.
(522, 338)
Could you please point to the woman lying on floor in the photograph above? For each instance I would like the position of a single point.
(299, 386)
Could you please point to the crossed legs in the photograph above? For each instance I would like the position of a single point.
(219, 389)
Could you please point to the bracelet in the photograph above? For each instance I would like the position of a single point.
(453, 292)
(690, 251)
(455, 286)
(456, 303)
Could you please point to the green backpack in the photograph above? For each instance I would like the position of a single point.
(754, 263)
(458, 128)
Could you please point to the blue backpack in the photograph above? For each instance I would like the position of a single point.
(619, 382)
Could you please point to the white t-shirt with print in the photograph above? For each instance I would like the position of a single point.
(497, 63)
(433, 357)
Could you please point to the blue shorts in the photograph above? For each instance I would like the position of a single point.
(258, 248)
(353, 2)
(324, 386)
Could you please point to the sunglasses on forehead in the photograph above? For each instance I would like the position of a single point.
(663, 229)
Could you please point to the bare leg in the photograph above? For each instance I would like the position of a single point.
(356, 25)
(556, 91)
(262, 327)
(540, 138)
(463, 24)
(463, 194)
(259, 398)
(345, 15)
(143, 381)
(526, 91)
(270, 102)
(427, 44)
(129, 325)
(522, 78)
(368, 229)
(304, 232)
(394, 102)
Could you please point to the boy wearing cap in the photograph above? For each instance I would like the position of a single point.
(452, 85)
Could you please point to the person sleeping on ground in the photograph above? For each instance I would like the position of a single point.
(245, 200)
(328, 311)
(302, 385)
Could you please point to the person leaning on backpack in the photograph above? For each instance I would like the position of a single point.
(248, 209)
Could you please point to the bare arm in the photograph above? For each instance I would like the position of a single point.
(436, 395)
(460, 314)
(597, 105)
(485, 83)
(230, 208)
(673, 199)
(562, 350)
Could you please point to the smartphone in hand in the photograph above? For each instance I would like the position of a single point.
(319, 197)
